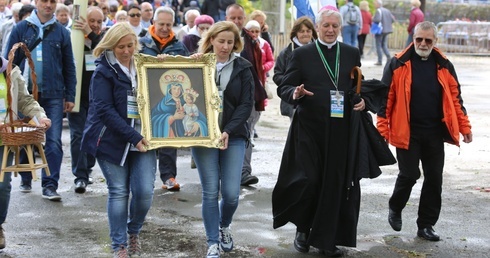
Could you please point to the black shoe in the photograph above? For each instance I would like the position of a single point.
(80, 187)
(248, 179)
(300, 242)
(51, 194)
(25, 187)
(428, 233)
(333, 253)
(378, 63)
(256, 136)
(395, 220)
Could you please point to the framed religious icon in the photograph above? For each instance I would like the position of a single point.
(178, 101)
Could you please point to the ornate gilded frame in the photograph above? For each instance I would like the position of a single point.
(159, 105)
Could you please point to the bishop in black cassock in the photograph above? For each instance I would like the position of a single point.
(310, 191)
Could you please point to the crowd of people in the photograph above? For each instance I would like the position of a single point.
(313, 75)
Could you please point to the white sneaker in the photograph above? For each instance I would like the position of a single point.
(213, 251)
(226, 239)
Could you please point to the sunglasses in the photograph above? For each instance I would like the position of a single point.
(428, 41)
(134, 15)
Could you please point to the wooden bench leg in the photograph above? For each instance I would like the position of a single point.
(31, 161)
(43, 157)
(4, 161)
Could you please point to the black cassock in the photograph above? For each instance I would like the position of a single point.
(310, 191)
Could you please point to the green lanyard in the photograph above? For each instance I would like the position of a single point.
(334, 77)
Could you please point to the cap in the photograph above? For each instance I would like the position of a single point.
(201, 19)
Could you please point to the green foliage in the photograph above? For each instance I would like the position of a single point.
(248, 6)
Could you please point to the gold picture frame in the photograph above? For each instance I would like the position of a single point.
(178, 101)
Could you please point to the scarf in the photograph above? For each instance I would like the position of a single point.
(34, 19)
(162, 42)
(253, 48)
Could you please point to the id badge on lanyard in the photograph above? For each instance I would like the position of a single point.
(132, 106)
(336, 104)
(39, 52)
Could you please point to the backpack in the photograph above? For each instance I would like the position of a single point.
(352, 16)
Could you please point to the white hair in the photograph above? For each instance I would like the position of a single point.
(191, 11)
(163, 9)
(16, 7)
(327, 12)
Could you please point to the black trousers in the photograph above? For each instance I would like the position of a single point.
(427, 148)
(167, 163)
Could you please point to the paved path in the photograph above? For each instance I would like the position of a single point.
(77, 226)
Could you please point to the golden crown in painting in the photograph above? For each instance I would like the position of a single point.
(174, 76)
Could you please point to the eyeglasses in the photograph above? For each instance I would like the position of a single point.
(203, 27)
(427, 41)
(132, 15)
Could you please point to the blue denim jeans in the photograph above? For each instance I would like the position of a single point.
(136, 177)
(349, 34)
(53, 149)
(81, 162)
(219, 169)
(5, 188)
(167, 163)
(382, 46)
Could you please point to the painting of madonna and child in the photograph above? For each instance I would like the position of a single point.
(178, 101)
(178, 104)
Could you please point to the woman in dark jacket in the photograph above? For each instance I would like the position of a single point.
(201, 26)
(222, 168)
(112, 135)
(302, 33)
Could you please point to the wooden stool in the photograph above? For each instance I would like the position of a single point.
(31, 166)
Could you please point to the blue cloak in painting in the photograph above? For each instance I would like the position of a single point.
(164, 110)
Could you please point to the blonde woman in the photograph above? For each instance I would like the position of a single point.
(367, 19)
(221, 169)
(114, 139)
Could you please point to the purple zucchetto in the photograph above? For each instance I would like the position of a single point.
(329, 7)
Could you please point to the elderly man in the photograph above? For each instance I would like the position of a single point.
(160, 39)
(423, 109)
(310, 191)
(190, 16)
(146, 14)
(5, 12)
(7, 26)
(81, 162)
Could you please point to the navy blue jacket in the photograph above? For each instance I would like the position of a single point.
(108, 130)
(59, 78)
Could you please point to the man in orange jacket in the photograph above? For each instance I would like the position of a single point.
(423, 109)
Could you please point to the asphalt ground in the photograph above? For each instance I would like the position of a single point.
(77, 226)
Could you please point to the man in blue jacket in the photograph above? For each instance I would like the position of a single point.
(160, 39)
(50, 45)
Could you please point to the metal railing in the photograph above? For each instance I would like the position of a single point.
(456, 37)
(464, 37)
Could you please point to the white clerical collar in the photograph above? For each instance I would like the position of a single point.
(329, 45)
(296, 41)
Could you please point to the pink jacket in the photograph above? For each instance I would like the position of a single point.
(267, 57)
(416, 17)
(367, 19)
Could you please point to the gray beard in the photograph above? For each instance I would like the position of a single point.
(424, 54)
